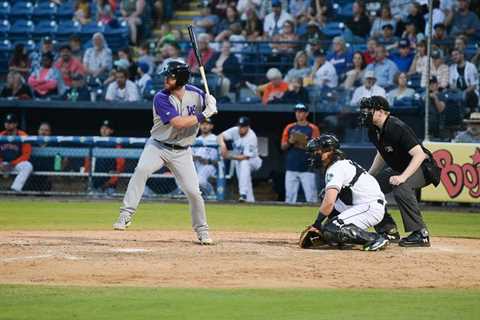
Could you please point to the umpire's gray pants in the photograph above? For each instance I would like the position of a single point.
(180, 162)
(405, 196)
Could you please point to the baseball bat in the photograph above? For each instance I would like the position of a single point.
(201, 68)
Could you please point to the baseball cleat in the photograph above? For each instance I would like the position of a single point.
(204, 239)
(379, 244)
(416, 239)
(242, 198)
(391, 235)
(124, 220)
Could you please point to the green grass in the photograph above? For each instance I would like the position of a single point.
(73, 215)
(39, 302)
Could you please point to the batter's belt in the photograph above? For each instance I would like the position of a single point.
(171, 146)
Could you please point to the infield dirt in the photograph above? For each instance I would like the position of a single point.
(239, 259)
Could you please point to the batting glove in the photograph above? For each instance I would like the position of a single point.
(210, 106)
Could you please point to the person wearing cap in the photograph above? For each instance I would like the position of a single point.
(47, 80)
(368, 89)
(78, 91)
(463, 76)
(463, 20)
(438, 105)
(68, 65)
(403, 58)
(105, 185)
(472, 133)
(15, 156)
(274, 21)
(294, 140)
(383, 68)
(144, 83)
(323, 71)
(245, 155)
(98, 59)
(398, 166)
(385, 17)
(387, 36)
(438, 68)
(274, 89)
(122, 89)
(206, 158)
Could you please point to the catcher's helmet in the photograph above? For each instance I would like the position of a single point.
(325, 143)
(178, 71)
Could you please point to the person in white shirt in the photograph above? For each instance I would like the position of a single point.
(245, 155)
(352, 201)
(463, 75)
(122, 89)
(369, 88)
(273, 23)
(144, 84)
(206, 158)
(323, 72)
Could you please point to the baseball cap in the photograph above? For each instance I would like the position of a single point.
(388, 25)
(143, 66)
(11, 118)
(319, 53)
(403, 43)
(276, 3)
(47, 40)
(439, 25)
(243, 122)
(300, 107)
(436, 54)
(370, 74)
(107, 123)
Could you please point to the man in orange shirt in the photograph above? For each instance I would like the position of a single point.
(14, 156)
(274, 89)
(294, 140)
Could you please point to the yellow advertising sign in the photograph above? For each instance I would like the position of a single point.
(460, 180)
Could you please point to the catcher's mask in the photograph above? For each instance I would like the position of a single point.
(368, 106)
(324, 143)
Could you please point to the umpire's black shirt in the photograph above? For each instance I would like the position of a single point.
(393, 142)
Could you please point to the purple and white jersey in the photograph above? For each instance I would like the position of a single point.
(166, 106)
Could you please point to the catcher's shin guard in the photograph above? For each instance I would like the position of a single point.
(337, 232)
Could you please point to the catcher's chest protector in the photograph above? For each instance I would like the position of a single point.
(346, 193)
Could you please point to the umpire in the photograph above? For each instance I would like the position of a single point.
(409, 168)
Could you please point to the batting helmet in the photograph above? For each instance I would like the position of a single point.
(178, 71)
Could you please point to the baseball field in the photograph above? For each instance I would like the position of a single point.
(61, 260)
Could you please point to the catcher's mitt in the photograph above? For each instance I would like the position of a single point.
(298, 139)
(310, 238)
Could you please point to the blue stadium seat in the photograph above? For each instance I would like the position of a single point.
(87, 30)
(66, 10)
(116, 37)
(345, 11)
(28, 44)
(4, 26)
(22, 10)
(45, 28)
(21, 30)
(5, 49)
(414, 81)
(66, 29)
(44, 10)
(333, 29)
(4, 9)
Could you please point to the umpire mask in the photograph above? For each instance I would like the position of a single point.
(366, 117)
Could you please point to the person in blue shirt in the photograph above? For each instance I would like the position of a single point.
(383, 68)
(340, 56)
(403, 58)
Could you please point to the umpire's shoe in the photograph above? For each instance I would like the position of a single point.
(379, 244)
(392, 235)
(124, 220)
(418, 238)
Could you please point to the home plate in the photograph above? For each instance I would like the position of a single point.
(130, 250)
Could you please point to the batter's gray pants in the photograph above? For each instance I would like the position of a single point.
(405, 196)
(180, 162)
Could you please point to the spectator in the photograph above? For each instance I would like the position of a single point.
(144, 56)
(106, 11)
(237, 38)
(463, 21)
(388, 36)
(369, 89)
(472, 134)
(225, 65)
(419, 63)
(460, 44)
(294, 139)
(299, 8)
(323, 72)
(274, 21)
(272, 90)
(206, 21)
(82, 11)
(300, 67)
(400, 9)
(403, 58)
(206, 53)
(340, 57)
(15, 156)
(436, 111)
(438, 16)
(438, 69)
(296, 93)
(401, 91)
(122, 89)
(75, 44)
(106, 185)
(169, 53)
(20, 61)
(411, 33)
(357, 73)
(246, 6)
(369, 54)
(135, 12)
(165, 35)
(98, 59)
(245, 155)
(286, 35)
(68, 65)
(313, 34)
(464, 76)
(222, 29)
(252, 26)
(77, 90)
(384, 18)
(144, 83)
(46, 46)
(439, 33)
(358, 26)
(15, 87)
(219, 7)
(383, 68)
(47, 80)
(416, 17)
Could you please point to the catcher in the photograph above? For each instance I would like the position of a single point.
(352, 203)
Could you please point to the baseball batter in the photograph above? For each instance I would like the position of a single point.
(177, 114)
(206, 158)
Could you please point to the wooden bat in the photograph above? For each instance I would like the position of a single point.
(193, 41)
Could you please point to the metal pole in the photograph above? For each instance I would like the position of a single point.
(429, 54)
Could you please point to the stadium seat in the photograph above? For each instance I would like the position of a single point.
(4, 9)
(87, 30)
(21, 30)
(116, 37)
(345, 11)
(66, 29)
(247, 96)
(333, 29)
(44, 10)
(4, 26)
(66, 10)
(45, 28)
(28, 44)
(22, 10)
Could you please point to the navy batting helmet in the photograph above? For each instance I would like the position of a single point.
(178, 71)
